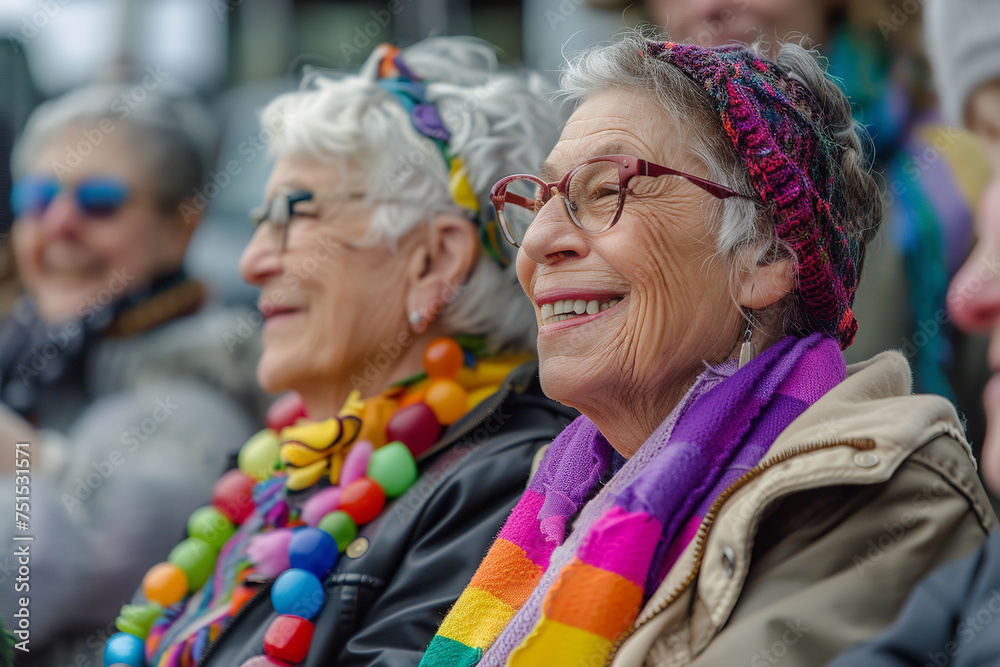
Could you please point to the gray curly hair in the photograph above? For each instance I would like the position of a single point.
(173, 134)
(745, 233)
(500, 123)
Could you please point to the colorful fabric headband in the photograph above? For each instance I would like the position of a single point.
(395, 77)
(776, 125)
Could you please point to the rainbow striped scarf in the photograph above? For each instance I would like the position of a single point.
(626, 553)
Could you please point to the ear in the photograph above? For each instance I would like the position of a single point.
(440, 263)
(766, 285)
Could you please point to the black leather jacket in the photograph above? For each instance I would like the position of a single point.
(392, 588)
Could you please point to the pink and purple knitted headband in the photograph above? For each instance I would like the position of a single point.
(778, 129)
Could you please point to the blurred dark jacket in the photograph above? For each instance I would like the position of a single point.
(950, 620)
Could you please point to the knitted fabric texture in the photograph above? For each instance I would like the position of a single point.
(777, 127)
(628, 551)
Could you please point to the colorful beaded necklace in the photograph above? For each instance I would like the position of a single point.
(255, 531)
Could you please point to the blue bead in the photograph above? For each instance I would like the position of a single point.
(126, 649)
(313, 550)
(297, 593)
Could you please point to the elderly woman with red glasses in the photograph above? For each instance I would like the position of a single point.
(732, 493)
(114, 371)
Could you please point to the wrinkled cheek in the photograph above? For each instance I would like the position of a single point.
(642, 342)
(656, 295)
(525, 270)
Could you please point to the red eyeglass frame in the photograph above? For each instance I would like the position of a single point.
(628, 168)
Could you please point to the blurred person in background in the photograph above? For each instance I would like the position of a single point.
(393, 309)
(113, 367)
(932, 173)
(951, 617)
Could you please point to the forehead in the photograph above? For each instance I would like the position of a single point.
(80, 151)
(617, 121)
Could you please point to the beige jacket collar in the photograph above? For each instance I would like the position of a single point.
(858, 433)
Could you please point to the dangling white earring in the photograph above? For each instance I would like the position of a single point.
(747, 351)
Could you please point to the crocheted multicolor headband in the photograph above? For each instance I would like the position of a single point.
(777, 125)
(395, 77)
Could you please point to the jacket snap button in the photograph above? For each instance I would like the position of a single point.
(729, 560)
(866, 459)
(357, 548)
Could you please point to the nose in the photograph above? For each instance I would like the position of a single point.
(552, 236)
(974, 294)
(62, 217)
(260, 259)
(685, 19)
(710, 9)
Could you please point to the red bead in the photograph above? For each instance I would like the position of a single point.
(233, 495)
(285, 411)
(288, 638)
(362, 500)
(415, 426)
(443, 358)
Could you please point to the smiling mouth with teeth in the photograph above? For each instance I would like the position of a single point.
(565, 309)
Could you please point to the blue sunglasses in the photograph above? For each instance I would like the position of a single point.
(97, 197)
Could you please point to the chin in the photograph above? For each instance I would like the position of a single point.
(561, 381)
(65, 307)
(273, 374)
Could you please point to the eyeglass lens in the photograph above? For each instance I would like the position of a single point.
(98, 197)
(592, 199)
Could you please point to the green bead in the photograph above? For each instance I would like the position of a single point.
(259, 458)
(393, 467)
(341, 528)
(196, 558)
(211, 526)
(137, 619)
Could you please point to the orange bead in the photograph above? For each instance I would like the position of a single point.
(443, 358)
(448, 400)
(374, 417)
(165, 583)
(412, 397)
(241, 595)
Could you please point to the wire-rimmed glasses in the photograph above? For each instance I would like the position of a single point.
(277, 213)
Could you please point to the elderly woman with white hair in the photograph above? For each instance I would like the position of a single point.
(392, 308)
(115, 372)
(732, 493)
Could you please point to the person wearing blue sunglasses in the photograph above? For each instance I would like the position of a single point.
(97, 198)
(114, 368)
